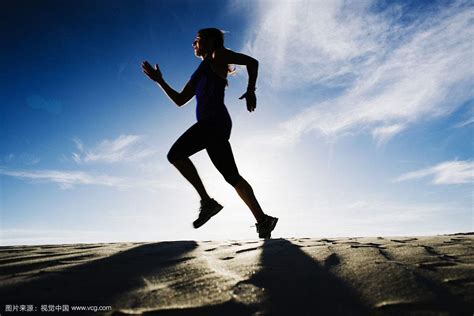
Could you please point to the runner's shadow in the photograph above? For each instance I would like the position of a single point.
(295, 284)
(101, 281)
(292, 283)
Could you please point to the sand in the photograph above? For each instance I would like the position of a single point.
(296, 276)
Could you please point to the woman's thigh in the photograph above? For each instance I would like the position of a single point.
(191, 142)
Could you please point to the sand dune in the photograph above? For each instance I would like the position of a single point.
(296, 276)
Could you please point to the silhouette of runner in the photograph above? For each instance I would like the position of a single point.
(213, 127)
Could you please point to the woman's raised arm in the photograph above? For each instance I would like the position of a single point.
(179, 98)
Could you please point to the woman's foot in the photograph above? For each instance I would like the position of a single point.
(265, 227)
(208, 209)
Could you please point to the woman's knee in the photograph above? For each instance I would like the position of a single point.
(173, 156)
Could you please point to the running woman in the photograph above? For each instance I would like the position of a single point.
(213, 127)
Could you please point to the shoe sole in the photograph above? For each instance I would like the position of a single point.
(269, 234)
(203, 220)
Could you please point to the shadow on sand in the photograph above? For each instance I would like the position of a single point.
(101, 281)
(298, 285)
(293, 283)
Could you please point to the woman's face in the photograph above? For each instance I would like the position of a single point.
(200, 46)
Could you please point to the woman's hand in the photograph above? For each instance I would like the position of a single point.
(251, 99)
(152, 73)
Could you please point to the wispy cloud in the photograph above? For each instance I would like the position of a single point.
(66, 179)
(467, 122)
(384, 133)
(23, 158)
(449, 172)
(9, 157)
(70, 179)
(393, 73)
(123, 148)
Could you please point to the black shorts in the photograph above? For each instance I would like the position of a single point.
(215, 139)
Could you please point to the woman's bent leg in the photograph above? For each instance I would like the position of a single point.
(192, 141)
(187, 169)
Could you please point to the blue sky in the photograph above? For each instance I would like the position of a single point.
(364, 121)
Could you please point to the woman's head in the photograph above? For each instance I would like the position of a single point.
(214, 36)
(207, 41)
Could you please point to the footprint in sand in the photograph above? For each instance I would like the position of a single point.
(245, 250)
(403, 241)
(368, 245)
(328, 240)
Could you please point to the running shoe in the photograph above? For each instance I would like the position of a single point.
(208, 209)
(264, 229)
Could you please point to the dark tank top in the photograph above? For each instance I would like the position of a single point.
(209, 93)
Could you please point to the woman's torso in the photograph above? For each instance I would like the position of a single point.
(209, 91)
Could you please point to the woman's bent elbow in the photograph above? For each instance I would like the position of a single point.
(179, 102)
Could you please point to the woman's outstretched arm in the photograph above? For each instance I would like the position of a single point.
(179, 98)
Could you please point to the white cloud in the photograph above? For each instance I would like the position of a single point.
(124, 148)
(393, 75)
(304, 42)
(383, 133)
(65, 179)
(449, 172)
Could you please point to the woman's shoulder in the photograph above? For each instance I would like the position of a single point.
(218, 64)
(220, 54)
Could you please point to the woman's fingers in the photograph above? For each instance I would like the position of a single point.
(146, 66)
(149, 68)
(251, 101)
(251, 105)
(153, 73)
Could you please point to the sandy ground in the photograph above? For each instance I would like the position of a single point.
(296, 276)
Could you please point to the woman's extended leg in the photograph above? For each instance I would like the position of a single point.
(245, 192)
(220, 152)
(222, 157)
